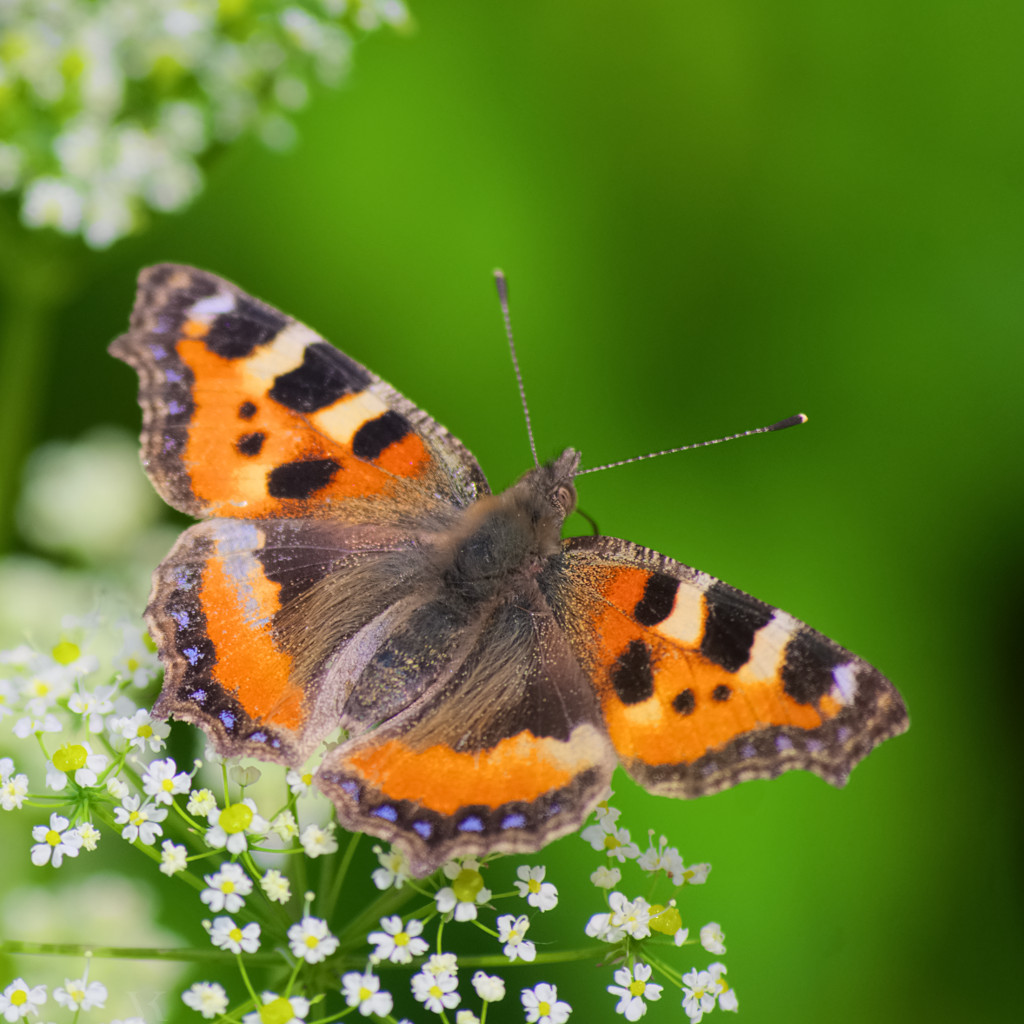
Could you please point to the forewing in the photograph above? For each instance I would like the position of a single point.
(250, 414)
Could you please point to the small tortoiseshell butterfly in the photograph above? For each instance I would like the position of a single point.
(352, 569)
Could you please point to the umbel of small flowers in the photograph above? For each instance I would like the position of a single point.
(110, 107)
(242, 843)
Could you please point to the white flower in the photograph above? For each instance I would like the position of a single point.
(534, 889)
(163, 782)
(699, 991)
(633, 917)
(13, 791)
(543, 1006)
(55, 843)
(141, 729)
(228, 888)
(634, 988)
(201, 802)
(662, 858)
(396, 943)
(117, 788)
(231, 827)
(726, 996)
(225, 934)
(173, 859)
(300, 783)
(437, 992)
(93, 706)
(363, 990)
(600, 927)
(712, 938)
(695, 874)
(512, 932)
(489, 987)
(393, 870)
(615, 842)
(298, 1006)
(466, 1017)
(276, 886)
(18, 1000)
(81, 994)
(89, 834)
(317, 841)
(311, 940)
(78, 761)
(140, 822)
(441, 965)
(606, 878)
(207, 998)
(466, 892)
(284, 826)
(53, 203)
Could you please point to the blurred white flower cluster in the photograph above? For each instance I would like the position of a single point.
(107, 108)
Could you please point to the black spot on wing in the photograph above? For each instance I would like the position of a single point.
(684, 702)
(239, 333)
(631, 674)
(246, 411)
(732, 621)
(324, 376)
(377, 434)
(721, 693)
(301, 479)
(250, 444)
(658, 599)
(807, 672)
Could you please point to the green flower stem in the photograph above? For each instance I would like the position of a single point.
(38, 274)
(340, 874)
(198, 956)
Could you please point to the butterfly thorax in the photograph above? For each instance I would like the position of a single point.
(510, 535)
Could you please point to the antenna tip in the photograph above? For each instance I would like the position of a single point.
(790, 421)
(501, 284)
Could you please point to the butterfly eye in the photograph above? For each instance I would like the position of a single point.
(564, 499)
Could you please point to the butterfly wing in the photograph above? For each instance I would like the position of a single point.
(504, 751)
(317, 481)
(703, 687)
(250, 414)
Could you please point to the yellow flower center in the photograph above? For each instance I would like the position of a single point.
(277, 1011)
(168, 785)
(145, 731)
(236, 933)
(636, 988)
(436, 992)
(235, 818)
(133, 664)
(53, 837)
(227, 887)
(545, 1009)
(402, 939)
(467, 884)
(364, 994)
(534, 885)
(66, 652)
(312, 942)
(611, 843)
(665, 920)
(19, 997)
(70, 757)
(39, 688)
(136, 817)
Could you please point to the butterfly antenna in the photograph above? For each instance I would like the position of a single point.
(790, 421)
(502, 285)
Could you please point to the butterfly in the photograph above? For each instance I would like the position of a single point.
(352, 569)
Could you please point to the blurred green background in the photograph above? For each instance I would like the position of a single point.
(712, 216)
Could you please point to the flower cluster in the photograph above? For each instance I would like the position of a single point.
(108, 108)
(242, 840)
